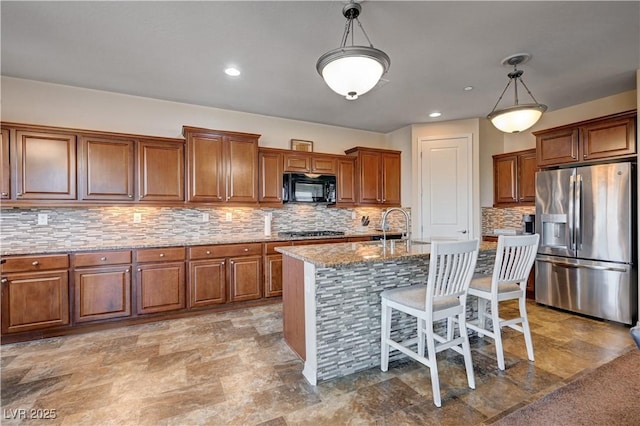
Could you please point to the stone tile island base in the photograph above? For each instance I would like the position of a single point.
(331, 310)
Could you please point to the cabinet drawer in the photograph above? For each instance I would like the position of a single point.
(101, 258)
(35, 263)
(270, 248)
(167, 254)
(225, 250)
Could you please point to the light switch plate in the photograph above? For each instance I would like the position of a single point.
(227, 217)
(137, 217)
(43, 219)
(205, 217)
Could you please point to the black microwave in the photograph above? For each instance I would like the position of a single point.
(309, 188)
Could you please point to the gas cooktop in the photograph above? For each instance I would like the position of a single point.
(310, 233)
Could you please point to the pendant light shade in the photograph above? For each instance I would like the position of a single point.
(352, 71)
(518, 117)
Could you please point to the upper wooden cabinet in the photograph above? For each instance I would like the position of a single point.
(222, 167)
(613, 136)
(107, 168)
(160, 171)
(346, 181)
(5, 185)
(514, 178)
(270, 181)
(46, 165)
(297, 162)
(377, 176)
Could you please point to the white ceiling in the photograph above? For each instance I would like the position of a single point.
(177, 51)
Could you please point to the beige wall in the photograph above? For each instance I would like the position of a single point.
(27, 101)
(400, 140)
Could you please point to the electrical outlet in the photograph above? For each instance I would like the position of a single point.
(137, 217)
(43, 219)
(228, 217)
(205, 217)
(353, 214)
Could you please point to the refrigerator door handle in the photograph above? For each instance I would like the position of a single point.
(573, 266)
(578, 213)
(571, 215)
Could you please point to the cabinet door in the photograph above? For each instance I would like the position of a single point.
(46, 166)
(160, 287)
(370, 178)
(160, 171)
(35, 300)
(297, 163)
(558, 147)
(102, 293)
(273, 275)
(242, 166)
(610, 138)
(391, 179)
(5, 185)
(207, 282)
(205, 168)
(245, 278)
(527, 168)
(345, 181)
(107, 169)
(323, 165)
(270, 177)
(504, 180)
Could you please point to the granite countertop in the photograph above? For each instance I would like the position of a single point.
(67, 247)
(349, 254)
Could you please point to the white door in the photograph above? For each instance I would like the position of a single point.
(446, 190)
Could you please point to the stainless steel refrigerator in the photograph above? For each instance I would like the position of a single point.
(586, 260)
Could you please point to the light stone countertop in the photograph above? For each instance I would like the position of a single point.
(170, 241)
(350, 254)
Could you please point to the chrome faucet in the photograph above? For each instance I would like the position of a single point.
(407, 231)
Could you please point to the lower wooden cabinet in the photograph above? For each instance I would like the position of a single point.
(273, 269)
(35, 293)
(102, 293)
(245, 276)
(160, 284)
(207, 282)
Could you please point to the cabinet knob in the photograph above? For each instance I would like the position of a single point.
(103, 258)
(139, 269)
(219, 197)
(35, 263)
(228, 198)
(208, 252)
(19, 193)
(4, 281)
(130, 195)
(4, 194)
(127, 271)
(231, 262)
(161, 254)
(246, 249)
(222, 263)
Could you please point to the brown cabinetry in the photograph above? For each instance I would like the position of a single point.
(273, 269)
(160, 171)
(207, 277)
(377, 176)
(5, 185)
(35, 293)
(270, 164)
(107, 168)
(613, 136)
(346, 181)
(102, 285)
(46, 165)
(514, 178)
(160, 280)
(222, 167)
(296, 162)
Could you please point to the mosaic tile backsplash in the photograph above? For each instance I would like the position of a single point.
(82, 226)
(503, 218)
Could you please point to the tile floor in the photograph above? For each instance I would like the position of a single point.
(234, 368)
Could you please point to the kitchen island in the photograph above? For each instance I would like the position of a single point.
(331, 300)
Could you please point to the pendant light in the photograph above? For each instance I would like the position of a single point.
(518, 117)
(352, 71)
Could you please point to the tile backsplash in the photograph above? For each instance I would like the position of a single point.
(81, 226)
(503, 218)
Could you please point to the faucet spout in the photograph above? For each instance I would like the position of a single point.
(407, 231)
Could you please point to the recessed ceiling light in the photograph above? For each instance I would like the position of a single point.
(435, 114)
(232, 71)
(467, 88)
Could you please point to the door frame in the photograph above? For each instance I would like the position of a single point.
(417, 189)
